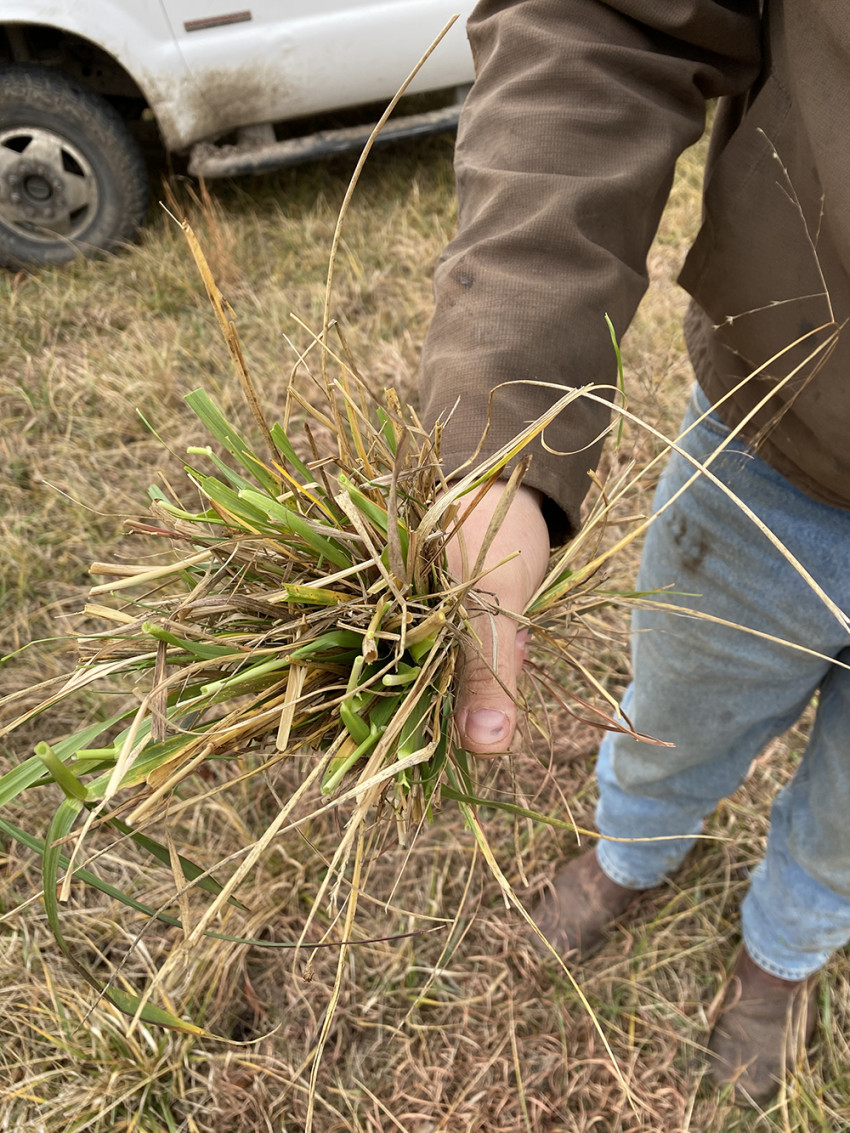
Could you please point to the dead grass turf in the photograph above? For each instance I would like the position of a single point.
(456, 1028)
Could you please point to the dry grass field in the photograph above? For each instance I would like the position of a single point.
(447, 1021)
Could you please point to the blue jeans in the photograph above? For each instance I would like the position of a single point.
(720, 694)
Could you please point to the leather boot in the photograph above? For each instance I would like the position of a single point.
(578, 907)
(764, 1026)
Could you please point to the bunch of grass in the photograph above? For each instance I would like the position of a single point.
(302, 603)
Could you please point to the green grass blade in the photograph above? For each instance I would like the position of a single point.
(387, 429)
(355, 725)
(621, 381)
(59, 773)
(470, 799)
(283, 443)
(276, 512)
(189, 869)
(376, 515)
(412, 736)
(231, 501)
(29, 772)
(345, 639)
(60, 825)
(127, 1002)
(148, 760)
(203, 649)
(311, 595)
(86, 876)
(236, 481)
(215, 422)
(246, 676)
(338, 768)
(383, 711)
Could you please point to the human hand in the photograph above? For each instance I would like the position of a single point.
(485, 708)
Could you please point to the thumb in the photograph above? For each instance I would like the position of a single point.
(486, 682)
(486, 713)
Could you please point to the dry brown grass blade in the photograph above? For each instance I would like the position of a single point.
(225, 315)
(645, 603)
(79, 680)
(396, 558)
(164, 785)
(452, 939)
(346, 505)
(356, 422)
(512, 899)
(151, 574)
(179, 884)
(365, 795)
(628, 484)
(499, 512)
(461, 485)
(294, 688)
(355, 177)
(181, 954)
(159, 697)
(523, 1104)
(704, 470)
(348, 925)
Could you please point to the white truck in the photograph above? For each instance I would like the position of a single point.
(226, 83)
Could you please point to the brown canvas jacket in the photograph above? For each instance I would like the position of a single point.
(564, 161)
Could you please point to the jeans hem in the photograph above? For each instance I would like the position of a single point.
(782, 971)
(629, 881)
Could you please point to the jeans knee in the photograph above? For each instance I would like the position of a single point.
(641, 776)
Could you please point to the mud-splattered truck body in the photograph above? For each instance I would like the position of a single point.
(236, 88)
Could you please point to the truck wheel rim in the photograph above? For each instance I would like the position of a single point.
(48, 189)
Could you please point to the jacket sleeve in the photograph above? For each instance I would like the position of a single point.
(565, 156)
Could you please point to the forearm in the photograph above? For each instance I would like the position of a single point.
(565, 158)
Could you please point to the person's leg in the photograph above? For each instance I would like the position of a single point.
(797, 911)
(716, 692)
(719, 695)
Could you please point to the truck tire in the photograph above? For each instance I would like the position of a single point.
(72, 179)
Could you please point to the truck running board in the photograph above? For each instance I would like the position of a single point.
(209, 160)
